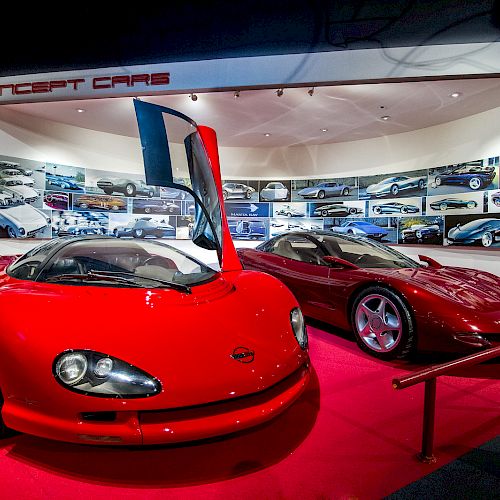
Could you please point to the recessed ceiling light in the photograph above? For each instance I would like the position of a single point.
(455, 94)
(80, 110)
(279, 92)
(267, 134)
(324, 130)
(236, 94)
(385, 118)
(193, 97)
(311, 91)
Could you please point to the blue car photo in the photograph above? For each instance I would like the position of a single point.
(62, 182)
(472, 176)
(247, 230)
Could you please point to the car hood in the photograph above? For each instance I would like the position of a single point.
(25, 215)
(473, 289)
(374, 188)
(309, 190)
(185, 341)
(24, 190)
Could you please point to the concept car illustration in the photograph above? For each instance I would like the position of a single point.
(451, 203)
(393, 304)
(325, 190)
(156, 206)
(495, 198)
(21, 220)
(421, 232)
(248, 230)
(17, 174)
(480, 231)
(145, 227)
(86, 201)
(80, 228)
(362, 228)
(289, 211)
(336, 210)
(128, 187)
(274, 191)
(393, 185)
(394, 208)
(145, 380)
(236, 190)
(474, 177)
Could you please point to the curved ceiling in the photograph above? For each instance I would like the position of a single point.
(331, 114)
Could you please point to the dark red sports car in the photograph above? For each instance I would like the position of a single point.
(392, 303)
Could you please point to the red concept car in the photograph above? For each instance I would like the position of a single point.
(392, 303)
(134, 342)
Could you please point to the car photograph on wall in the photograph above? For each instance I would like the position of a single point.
(394, 305)
(25, 192)
(145, 227)
(62, 182)
(57, 201)
(148, 206)
(274, 191)
(99, 202)
(324, 190)
(474, 177)
(142, 382)
(21, 220)
(484, 231)
(495, 199)
(289, 211)
(247, 229)
(361, 228)
(8, 164)
(127, 187)
(420, 233)
(14, 173)
(394, 185)
(394, 208)
(80, 227)
(336, 210)
(452, 203)
(236, 190)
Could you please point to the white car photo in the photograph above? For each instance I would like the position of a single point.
(274, 191)
(22, 220)
(14, 172)
(14, 184)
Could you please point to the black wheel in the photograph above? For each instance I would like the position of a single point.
(139, 233)
(345, 192)
(130, 189)
(471, 204)
(394, 190)
(11, 233)
(115, 207)
(108, 191)
(443, 206)
(487, 239)
(475, 183)
(224, 195)
(321, 195)
(382, 324)
(324, 213)
(115, 233)
(150, 194)
(421, 184)
(352, 211)
(248, 195)
(404, 210)
(377, 209)
(147, 210)
(438, 181)
(83, 205)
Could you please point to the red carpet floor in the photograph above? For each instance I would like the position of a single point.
(350, 436)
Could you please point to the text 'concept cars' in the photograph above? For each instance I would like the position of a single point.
(188, 351)
(393, 304)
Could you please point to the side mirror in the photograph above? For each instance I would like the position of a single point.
(432, 263)
(337, 261)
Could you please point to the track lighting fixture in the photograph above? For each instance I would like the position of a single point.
(193, 97)
(236, 94)
(279, 92)
(311, 91)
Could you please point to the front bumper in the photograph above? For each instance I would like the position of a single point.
(160, 426)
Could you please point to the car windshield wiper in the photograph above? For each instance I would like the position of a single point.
(169, 284)
(91, 276)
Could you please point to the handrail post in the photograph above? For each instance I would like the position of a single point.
(427, 453)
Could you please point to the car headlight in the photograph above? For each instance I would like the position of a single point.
(21, 230)
(418, 234)
(96, 374)
(299, 327)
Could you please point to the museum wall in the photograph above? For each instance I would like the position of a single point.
(462, 140)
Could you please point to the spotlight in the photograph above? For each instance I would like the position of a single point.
(311, 91)
(267, 134)
(236, 94)
(279, 92)
(385, 118)
(80, 110)
(193, 97)
(324, 130)
(455, 94)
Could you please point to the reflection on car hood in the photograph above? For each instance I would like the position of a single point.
(473, 289)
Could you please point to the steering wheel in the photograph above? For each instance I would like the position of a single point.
(157, 260)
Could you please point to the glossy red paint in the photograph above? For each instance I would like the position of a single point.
(444, 301)
(183, 340)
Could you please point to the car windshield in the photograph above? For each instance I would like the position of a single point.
(364, 253)
(475, 224)
(111, 262)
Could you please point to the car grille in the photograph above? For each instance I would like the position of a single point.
(104, 183)
(32, 233)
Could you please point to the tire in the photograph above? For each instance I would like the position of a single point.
(370, 325)
(321, 195)
(324, 213)
(248, 195)
(350, 231)
(394, 189)
(150, 194)
(108, 191)
(115, 233)
(130, 189)
(147, 210)
(138, 233)
(438, 181)
(11, 233)
(421, 184)
(83, 205)
(377, 209)
(352, 211)
(475, 183)
(487, 239)
(404, 210)
(289, 214)
(443, 206)
(224, 195)
(471, 204)
(345, 192)
(114, 208)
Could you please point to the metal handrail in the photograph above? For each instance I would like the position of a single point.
(429, 376)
